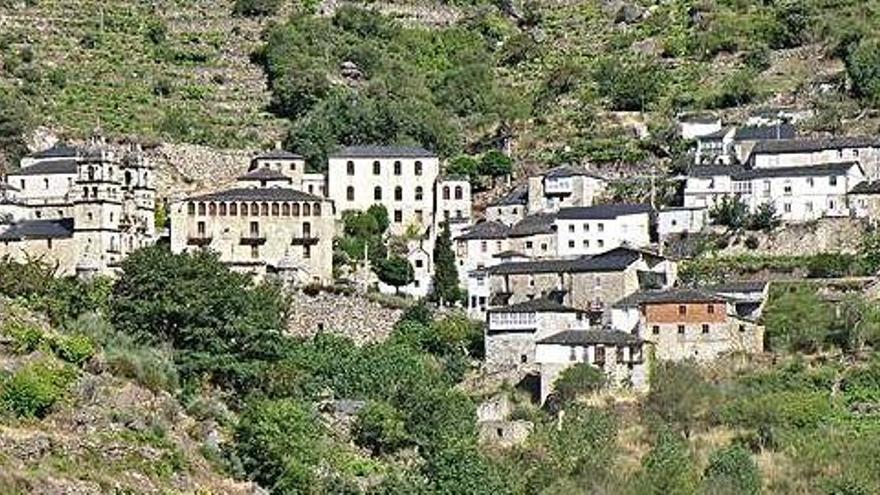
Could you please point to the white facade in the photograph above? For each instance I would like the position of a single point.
(681, 220)
(595, 230)
(563, 187)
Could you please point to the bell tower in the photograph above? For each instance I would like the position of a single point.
(98, 207)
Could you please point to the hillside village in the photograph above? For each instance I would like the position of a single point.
(594, 247)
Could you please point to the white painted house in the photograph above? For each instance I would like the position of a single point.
(563, 187)
(596, 229)
(787, 153)
(674, 220)
(798, 194)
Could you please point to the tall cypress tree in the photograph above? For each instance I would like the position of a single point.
(445, 288)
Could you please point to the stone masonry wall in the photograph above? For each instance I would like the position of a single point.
(352, 316)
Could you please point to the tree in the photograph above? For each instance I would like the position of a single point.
(445, 287)
(668, 468)
(793, 19)
(256, 8)
(732, 471)
(858, 323)
(679, 395)
(863, 68)
(464, 165)
(729, 212)
(14, 122)
(395, 271)
(628, 83)
(495, 164)
(578, 379)
(381, 428)
(764, 218)
(797, 320)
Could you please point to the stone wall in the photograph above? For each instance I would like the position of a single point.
(841, 235)
(352, 316)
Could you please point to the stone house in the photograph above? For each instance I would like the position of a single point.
(510, 208)
(562, 187)
(864, 199)
(263, 226)
(82, 210)
(798, 193)
(589, 283)
(674, 220)
(747, 296)
(512, 331)
(733, 145)
(621, 357)
(595, 229)
(687, 324)
(534, 236)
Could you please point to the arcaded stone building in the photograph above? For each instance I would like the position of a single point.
(82, 210)
(264, 226)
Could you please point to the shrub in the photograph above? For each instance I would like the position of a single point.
(732, 471)
(27, 337)
(679, 395)
(381, 428)
(75, 349)
(797, 320)
(863, 68)
(579, 379)
(256, 8)
(764, 218)
(628, 83)
(668, 468)
(33, 389)
(730, 212)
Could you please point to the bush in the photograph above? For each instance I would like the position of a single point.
(732, 471)
(729, 212)
(35, 388)
(679, 395)
(75, 349)
(863, 68)
(27, 337)
(797, 320)
(668, 468)
(579, 379)
(256, 8)
(628, 83)
(381, 428)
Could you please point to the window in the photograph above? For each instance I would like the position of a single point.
(398, 193)
(786, 207)
(523, 358)
(46, 183)
(572, 355)
(458, 192)
(742, 328)
(264, 209)
(528, 244)
(810, 181)
(190, 208)
(418, 168)
(586, 243)
(307, 230)
(377, 193)
(222, 209)
(307, 252)
(599, 354)
(255, 251)
(377, 168)
(420, 263)
(543, 246)
(571, 244)
(244, 209)
(483, 246)
(832, 205)
(202, 209)
(601, 227)
(349, 193)
(293, 166)
(349, 167)
(419, 193)
(601, 243)
(809, 205)
(398, 216)
(419, 216)
(786, 188)
(655, 329)
(682, 309)
(832, 180)
(855, 153)
(255, 229)
(294, 209)
(445, 192)
(200, 228)
(306, 209)
(316, 209)
(276, 209)
(710, 308)
(586, 227)
(571, 228)
(681, 329)
(398, 168)
(705, 328)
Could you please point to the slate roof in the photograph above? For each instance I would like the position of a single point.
(486, 230)
(717, 135)
(509, 254)
(38, 229)
(591, 337)
(370, 151)
(539, 223)
(738, 286)
(765, 132)
(542, 305)
(264, 173)
(739, 173)
(866, 187)
(517, 196)
(278, 155)
(58, 150)
(600, 212)
(814, 144)
(617, 259)
(258, 194)
(669, 296)
(699, 118)
(49, 167)
(569, 171)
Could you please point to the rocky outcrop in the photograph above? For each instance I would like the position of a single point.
(353, 316)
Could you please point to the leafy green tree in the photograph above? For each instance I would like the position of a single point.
(465, 165)
(445, 287)
(668, 468)
(858, 323)
(395, 271)
(628, 83)
(797, 320)
(494, 163)
(735, 90)
(729, 212)
(381, 428)
(764, 218)
(679, 395)
(863, 68)
(581, 378)
(732, 471)
(793, 20)
(15, 120)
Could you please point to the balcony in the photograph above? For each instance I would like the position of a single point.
(304, 241)
(199, 240)
(252, 239)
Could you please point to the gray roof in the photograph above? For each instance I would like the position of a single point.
(486, 230)
(454, 178)
(258, 194)
(7, 187)
(765, 132)
(814, 144)
(669, 296)
(517, 196)
(278, 155)
(600, 212)
(591, 337)
(540, 223)
(377, 151)
(58, 150)
(717, 135)
(38, 229)
(510, 253)
(569, 171)
(264, 173)
(542, 305)
(867, 187)
(737, 286)
(739, 173)
(698, 118)
(49, 167)
(617, 259)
